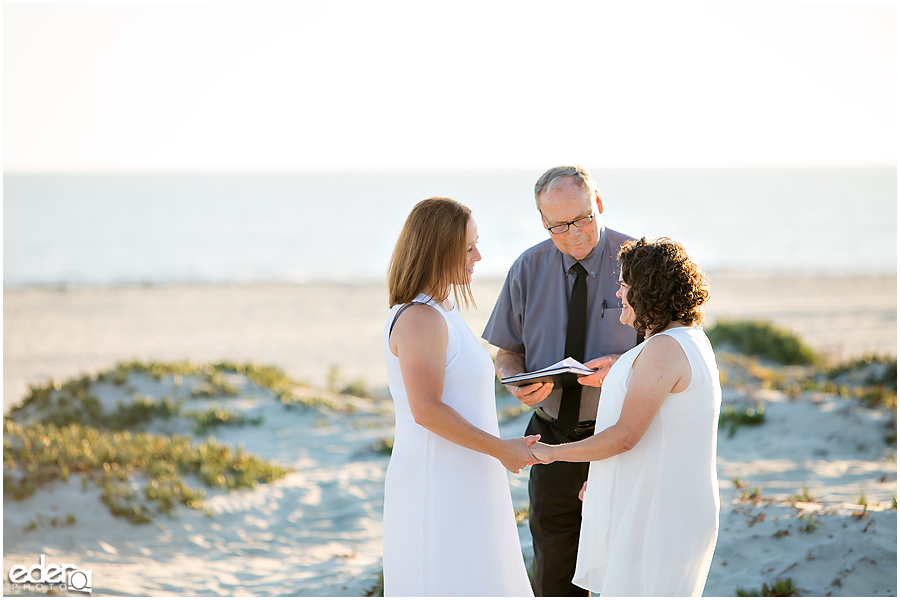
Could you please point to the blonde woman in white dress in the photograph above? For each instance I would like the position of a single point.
(650, 516)
(449, 525)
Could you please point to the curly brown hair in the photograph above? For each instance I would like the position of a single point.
(665, 284)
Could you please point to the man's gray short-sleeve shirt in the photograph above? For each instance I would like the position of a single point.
(531, 313)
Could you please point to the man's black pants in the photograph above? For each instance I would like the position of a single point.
(555, 516)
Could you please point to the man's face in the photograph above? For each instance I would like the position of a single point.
(565, 202)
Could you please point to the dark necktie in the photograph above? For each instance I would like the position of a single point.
(575, 332)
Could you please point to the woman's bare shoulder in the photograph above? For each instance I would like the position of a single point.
(417, 320)
(661, 348)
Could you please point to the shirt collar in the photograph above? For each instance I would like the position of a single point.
(592, 261)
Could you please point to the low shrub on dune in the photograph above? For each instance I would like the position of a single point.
(38, 454)
(62, 429)
(762, 339)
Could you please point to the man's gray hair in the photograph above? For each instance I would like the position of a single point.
(581, 178)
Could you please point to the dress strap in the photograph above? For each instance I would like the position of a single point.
(397, 316)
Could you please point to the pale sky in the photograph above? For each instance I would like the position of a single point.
(427, 85)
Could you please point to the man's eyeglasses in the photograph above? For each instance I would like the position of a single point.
(564, 227)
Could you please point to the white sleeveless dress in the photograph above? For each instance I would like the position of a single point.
(449, 526)
(650, 517)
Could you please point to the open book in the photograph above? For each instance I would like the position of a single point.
(554, 373)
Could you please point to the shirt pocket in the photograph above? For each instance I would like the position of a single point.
(615, 336)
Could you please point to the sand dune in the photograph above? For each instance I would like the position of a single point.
(317, 531)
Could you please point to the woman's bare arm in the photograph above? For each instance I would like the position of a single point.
(419, 340)
(661, 368)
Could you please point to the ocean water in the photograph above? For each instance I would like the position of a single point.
(120, 229)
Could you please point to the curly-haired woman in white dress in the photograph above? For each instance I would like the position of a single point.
(449, 525)
(651, 502)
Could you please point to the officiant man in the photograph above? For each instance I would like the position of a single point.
(559, 300)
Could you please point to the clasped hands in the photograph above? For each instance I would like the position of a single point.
(525, 451)
(540, 453)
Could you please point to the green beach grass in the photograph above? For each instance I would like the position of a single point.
(63, 430)
(794, 368)
(71, 428)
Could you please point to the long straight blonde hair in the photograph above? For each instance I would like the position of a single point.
(430, 254)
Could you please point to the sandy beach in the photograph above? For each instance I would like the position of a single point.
(309, 330)
(317, 530)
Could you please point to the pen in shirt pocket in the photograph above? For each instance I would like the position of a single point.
(602, 308)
